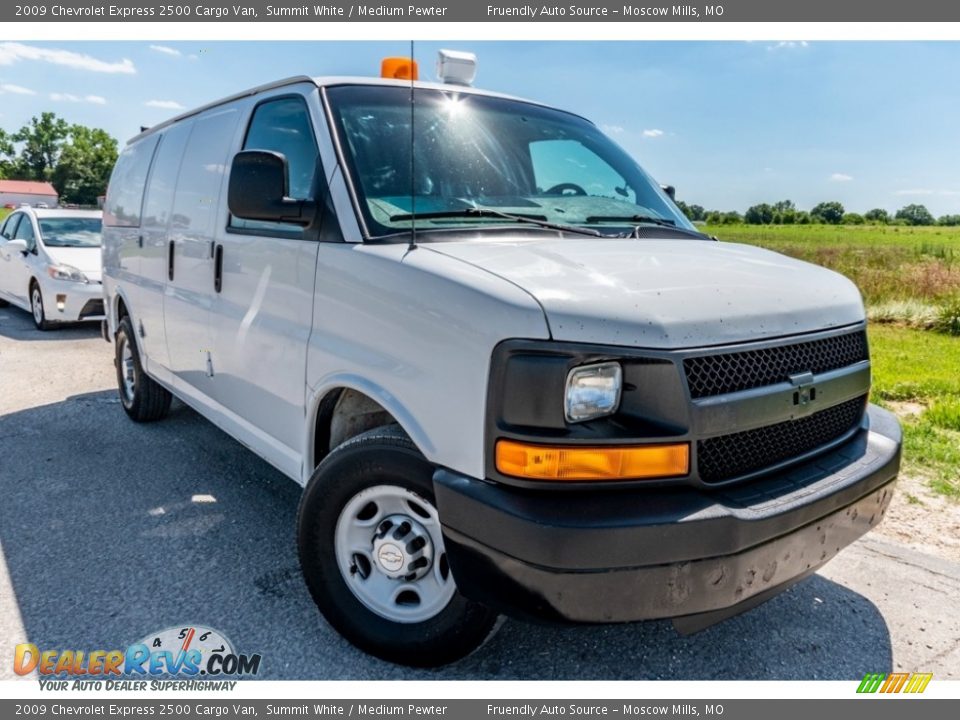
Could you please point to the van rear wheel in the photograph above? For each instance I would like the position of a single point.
(143, 399)
(372, 554)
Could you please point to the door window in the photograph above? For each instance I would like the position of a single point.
(284, 126)
(10, 226)
(25, 232)
(125, 192)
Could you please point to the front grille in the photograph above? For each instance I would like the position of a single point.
(728, 457)
(91, 308)
(734, 371)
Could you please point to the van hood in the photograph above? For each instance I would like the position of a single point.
(87, 260)
(666, 294)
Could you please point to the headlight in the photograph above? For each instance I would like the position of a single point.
(592, 391)
(66, 272)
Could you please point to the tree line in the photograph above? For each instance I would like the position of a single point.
(76, 159)
(831, 212)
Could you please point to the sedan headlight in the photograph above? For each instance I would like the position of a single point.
(66, 272)
(592, 391)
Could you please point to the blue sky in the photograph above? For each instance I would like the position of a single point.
(872, 124)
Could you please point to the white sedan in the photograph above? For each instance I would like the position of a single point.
(50, 264)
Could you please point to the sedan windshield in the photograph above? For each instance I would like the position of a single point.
(70, 231)
(479, 160)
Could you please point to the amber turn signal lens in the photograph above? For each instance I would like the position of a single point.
(573, 463)
(399, 68)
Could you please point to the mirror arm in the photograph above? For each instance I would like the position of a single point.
(301, 212)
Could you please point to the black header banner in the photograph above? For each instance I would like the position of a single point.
(478, 11)
(52, 708)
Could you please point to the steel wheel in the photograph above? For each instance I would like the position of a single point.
(128, 372)
(389, 549)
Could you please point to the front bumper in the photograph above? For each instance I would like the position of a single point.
(65, 301)
(617, 556)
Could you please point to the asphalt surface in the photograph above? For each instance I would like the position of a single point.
(110, 530)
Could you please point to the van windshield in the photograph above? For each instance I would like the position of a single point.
(70, 231)
(477, 152)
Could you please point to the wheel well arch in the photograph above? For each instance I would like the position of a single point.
(343, 413)
(121, 308)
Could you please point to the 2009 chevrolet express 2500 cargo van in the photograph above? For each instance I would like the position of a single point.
(510, 374)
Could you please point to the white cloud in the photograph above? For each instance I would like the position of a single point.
(15, 89)
(841, 177)
(166, 50)
(652, 133)
(612, 129)
(164, 104)
(915, 191)
(11, 52)
(788, 44)
(69, 97)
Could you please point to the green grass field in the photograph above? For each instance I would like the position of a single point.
(910, 279)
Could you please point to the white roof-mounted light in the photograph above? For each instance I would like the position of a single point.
(455, 67)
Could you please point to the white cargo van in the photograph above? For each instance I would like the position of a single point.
(509, 373)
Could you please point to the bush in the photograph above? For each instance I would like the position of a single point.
(948, 320)
(830, 213)
(915, 215)
(877, 215)
(852, 219)
(761, 214)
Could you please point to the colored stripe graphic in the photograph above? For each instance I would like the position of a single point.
(918, 683)
(894, 682)
(871, 682)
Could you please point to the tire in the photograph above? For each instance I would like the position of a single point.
(143, 399)
(37, 309)
(383, 468)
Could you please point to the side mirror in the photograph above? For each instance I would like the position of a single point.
(259, 187)
(671, 191)
(18, 245)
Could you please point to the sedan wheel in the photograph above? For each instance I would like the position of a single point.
(36, 307)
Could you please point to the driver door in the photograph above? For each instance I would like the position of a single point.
(15, 271)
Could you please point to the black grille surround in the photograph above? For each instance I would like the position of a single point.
(92, 308)
(729, 372)
(738, 455)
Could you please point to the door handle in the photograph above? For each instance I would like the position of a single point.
(170, 247)
(218, 268)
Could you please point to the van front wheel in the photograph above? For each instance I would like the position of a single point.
(142, 398)
(372, 553)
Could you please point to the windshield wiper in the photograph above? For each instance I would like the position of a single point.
(638, 219)
(539, 220)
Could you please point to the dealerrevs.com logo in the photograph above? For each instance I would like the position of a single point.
(192, 652)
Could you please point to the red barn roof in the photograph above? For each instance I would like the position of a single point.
(27, 187)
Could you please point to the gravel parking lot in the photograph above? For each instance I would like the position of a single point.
(110, 530)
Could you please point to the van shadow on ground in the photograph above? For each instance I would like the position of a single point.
(111, 530)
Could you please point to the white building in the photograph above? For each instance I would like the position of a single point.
(14, 193)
